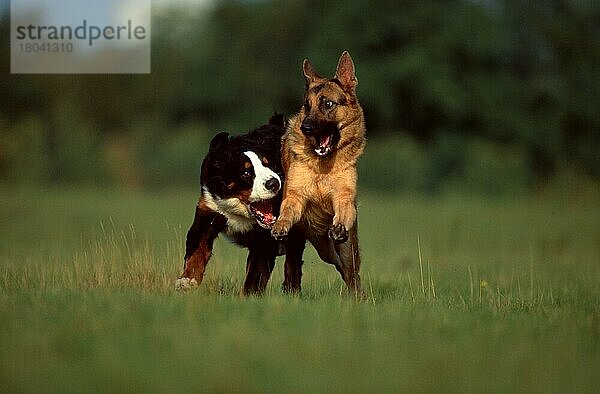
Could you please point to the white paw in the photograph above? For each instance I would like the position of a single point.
(185, 284)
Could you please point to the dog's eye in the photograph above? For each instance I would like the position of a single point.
(306, 106)
(246, 174)
(328, 103)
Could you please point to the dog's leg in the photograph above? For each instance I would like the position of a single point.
(349, 255)
(326, 250)
(345, 257)
(198, 248)
(259, 266)
(289, 213)
(294, 248)
(344, 208)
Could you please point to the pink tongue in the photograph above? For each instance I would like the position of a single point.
(266, 210)
(269, 217)
(325, 142)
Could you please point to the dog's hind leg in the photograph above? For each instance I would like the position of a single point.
(325, 249)
(344, 257)
(349, 255)
(294, 248)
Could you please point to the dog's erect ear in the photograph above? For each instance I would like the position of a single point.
(345, 72)
(277, 120)
(218, 141)
(310, 73)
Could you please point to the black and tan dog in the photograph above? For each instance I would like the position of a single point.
(241, 178)
(319, 153)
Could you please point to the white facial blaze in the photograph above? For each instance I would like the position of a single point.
(261, 175)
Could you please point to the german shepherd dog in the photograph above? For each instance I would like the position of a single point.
(241, 179)
(319, 153)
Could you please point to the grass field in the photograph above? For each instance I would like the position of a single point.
(505, 298)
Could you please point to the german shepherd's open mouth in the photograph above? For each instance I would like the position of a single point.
(324, 139)
(326, 143)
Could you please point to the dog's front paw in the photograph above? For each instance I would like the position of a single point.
(280, 229)
(338, 233)
(185, 284)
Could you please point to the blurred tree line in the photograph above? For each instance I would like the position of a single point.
(496, 96)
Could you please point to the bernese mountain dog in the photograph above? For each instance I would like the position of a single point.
(241, 179)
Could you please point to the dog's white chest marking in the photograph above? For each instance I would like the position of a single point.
(238, 218)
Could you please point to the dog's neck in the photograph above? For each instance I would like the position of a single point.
(354, 146)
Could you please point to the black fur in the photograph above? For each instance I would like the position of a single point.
(221, 178)
(222, 164)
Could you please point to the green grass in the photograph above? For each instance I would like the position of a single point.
(509, 300)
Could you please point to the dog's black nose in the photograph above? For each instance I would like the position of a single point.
(306, 128)
(272, 184)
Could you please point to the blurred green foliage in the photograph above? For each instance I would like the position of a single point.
(488, 96)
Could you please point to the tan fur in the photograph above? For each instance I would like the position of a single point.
(320, 192)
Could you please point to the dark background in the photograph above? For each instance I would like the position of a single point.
(490, 97)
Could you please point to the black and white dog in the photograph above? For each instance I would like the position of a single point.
(241, 178)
